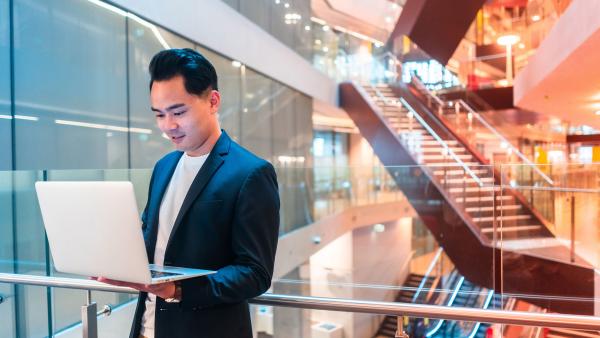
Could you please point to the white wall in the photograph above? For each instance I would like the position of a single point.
(362, 257)
(217, 26)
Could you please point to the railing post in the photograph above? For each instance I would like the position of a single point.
(573, 228)
(89, 321)
(400, 330)
(464, 193)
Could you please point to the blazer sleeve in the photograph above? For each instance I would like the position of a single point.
(255, 230)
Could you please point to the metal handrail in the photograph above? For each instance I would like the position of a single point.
(488, 126)
(503, 139)
(440, 141)
(447, 149)
(577, 322)
(427, 91)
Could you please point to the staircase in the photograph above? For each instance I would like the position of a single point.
(458, 197)
(566, 333)
(450, 163)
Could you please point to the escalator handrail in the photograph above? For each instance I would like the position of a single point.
(452, 298)
(503, 139)
(427, 273)
(488, 300)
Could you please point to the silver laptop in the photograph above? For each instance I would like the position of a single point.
(94, 230)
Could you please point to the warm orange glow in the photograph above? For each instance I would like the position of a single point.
(508, 40)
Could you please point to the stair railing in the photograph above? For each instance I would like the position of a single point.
(440, 104)
(505, 141)
(447, 149)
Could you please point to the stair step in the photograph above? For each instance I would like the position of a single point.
(474, 189)
(501, 218)
(498, 207)
(462, 157)
(441, 150)
(515, 228)
(453, 172)
(436, 143)
(455, 165)
(466, 178)
(480, 199)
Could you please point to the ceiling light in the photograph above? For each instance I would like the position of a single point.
(307, 27)
(395, 6)
(508, 40)
(286, 5)
(325, 28)
(598, 112)
(388, 19)
(277, 2)
(317, 42)
(325, 49)
(522, 45)
(535, 18)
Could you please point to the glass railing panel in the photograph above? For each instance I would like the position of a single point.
(378, 238)
(66, 303)
(556, 234)
(7, 254)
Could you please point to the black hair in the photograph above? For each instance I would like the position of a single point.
(197, 72)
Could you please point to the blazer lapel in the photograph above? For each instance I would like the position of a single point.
(208, 170)
(163, 177)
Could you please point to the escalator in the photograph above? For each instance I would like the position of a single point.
(457, 195)
(389, 324)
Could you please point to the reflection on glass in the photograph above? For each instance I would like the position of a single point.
(7, 291)
(5, 111)
(69, 99)
(146, 147)
(230, 81)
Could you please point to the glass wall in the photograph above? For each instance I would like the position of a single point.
(147, 143)
(70, 86)
(7, 292)
(5, 113)
(288, 21)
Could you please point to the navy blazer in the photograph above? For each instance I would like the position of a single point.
(228, 222)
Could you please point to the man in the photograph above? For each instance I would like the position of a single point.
(211, 205)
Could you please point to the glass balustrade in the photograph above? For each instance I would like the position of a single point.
(361, 233)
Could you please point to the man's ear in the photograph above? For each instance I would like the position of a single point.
(215, 100)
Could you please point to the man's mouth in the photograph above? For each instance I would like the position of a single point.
(177, 139)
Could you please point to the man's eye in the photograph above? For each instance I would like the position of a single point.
(158, 116)
(179, 113)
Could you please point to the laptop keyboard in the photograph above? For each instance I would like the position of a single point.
(158, 274)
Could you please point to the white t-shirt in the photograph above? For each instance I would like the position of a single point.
(185, 172)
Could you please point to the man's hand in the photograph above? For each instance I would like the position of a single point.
(162, 290)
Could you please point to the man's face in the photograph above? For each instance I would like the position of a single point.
(190, 121)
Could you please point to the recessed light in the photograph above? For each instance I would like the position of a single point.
(535, 18)
(598, 112)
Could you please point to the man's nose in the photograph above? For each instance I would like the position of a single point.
(170, 123)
